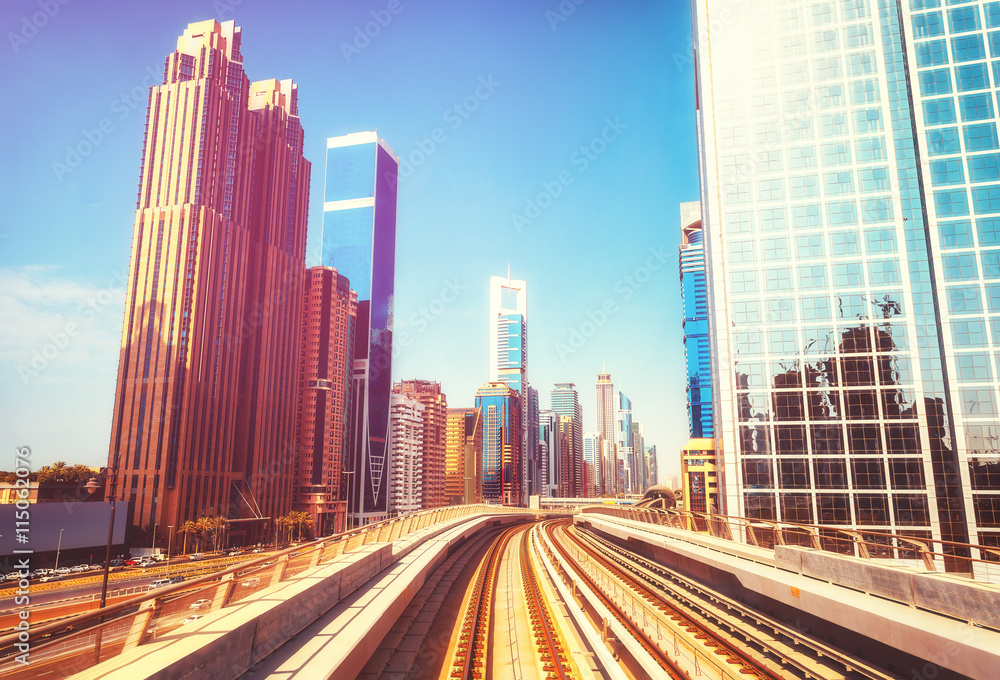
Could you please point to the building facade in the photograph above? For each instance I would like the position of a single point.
(593, 444)
(623, 443)
(566, 402)
(694, 301)
(359, 239)
(501, 461)
(204, 416)
(850, 202)
(548, 442)
(607, 409)
(435, 435)
(329, 312)
(700, 476)
(463, 453)
(406, 459)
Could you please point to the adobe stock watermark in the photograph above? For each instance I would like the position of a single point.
(625, 288)
(225, 7)
(563, 11)
(31, 25)
(454, 116)
(121, 106)
(580, 160)
(86, 314)
(363, 35)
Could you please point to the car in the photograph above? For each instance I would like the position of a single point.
(79, 569)
(131, 563)
(65, 571)
(95, 567)
(176, 579)
(251, 583)
(158, 583)
(196, 556)
(203, 603)
(117, 563)
(51, 577)
(234, 553)
(13, 576)
(268, 563)
(257, 550)
(191, 619)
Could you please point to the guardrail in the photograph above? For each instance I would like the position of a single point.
(979, 562)
(80, 642)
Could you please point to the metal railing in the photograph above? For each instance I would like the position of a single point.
(77, 643)
(906, 548)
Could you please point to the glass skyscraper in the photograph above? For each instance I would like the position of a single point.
(566, 402)
(359, 239)
(501, 457)
(694, 293)
(850, 197)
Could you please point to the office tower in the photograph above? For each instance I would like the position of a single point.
(593, 443)
(329, 311)
(569, 480)
(406, 459)
(204, 414)
(502, 457)
(533, 476)
(694, 297)
(359, 239)
(607, 409)
(699, 476)
(623, 443)
(652, 465)
(566, 402)
(850, 220)
(641, 473)
(435, 425)
(548, 446)
(463, 450)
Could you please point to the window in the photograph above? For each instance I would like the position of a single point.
(883, 272)
(876, 210)
(864, 92)
(772, 219)
(991, 265)
(741, 251)
(935, 82)
(972, 77)
(964, 300)
(994, 40)
(845, 243)
(855, 9)
(980, 137)
(815, 308)
(992, 11)
(798, 129)
(812, 276)
(939, 112)
(957, 234)
(837, 153)
(744, 282)
(737, 193)
(979, 401)
(766, 133)
(880, 241)
(960, 267)
(827, 69)
(802, 157)
(933, 53)
(869, 120)
(778, 279)
(986, 199)
(975, 107)
(871, 149)
(745, 312)
(951, 202)
(984, 168)
(963, 19)
(838, 183)
(966, 48)
(805, 216)
(876, 179)
(867, 473)
(973, 367)
(809, 246)
(947, 172)
(838, 214)
(943, 141)
(830, 473)
(928, 25)
(858, 36)
(830, 96)
(847, 275)
(738, 222)
(861, 64)
(804, 187)
(771, 190)
(832, 125)
(768, 161)
(776, 249)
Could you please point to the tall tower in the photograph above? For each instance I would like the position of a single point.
(406, 459)
(435, 416)
(592, 448)
(566, 403)
(329, 312)
(623, 442)
(548, 447)
(463, 450)
(851, 233)
(204, 415)
(502, 459)
(359, 239)
(694, 295)
(607, 410)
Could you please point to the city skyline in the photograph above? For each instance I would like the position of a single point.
(456, 208)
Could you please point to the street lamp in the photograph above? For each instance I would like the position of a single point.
(59, 547)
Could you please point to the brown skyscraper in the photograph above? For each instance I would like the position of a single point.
(435, 425)
(463, 448)
(204, 417)
(329, 312)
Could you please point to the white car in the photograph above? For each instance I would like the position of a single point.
(251, 583)
(95, 567)
(80, 568)
(65, 571)
(191, 619)
(200, 604)
(234, 553)
(52, 577)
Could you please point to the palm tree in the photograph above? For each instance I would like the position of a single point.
(221, 524)
(189, 528)
(298, 519)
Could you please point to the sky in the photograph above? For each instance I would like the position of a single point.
(553, 137)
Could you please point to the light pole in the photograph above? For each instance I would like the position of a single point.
(59, 547)
(152, 547)
(170, 540)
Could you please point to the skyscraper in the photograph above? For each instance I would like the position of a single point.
(607, 409)
(850, 206)
(569, 478)
(548, 442)
(566, 402)
(204, 414)
(329, 311)
(359, 239)
(435, 415)
(623, 442)
(463, 451)
(694, 296)
(406, 461)
(593, 444)
(641, 472)
(502, 457)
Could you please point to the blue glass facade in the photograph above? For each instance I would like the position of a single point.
(501, 462)
(697, 351)
(359, 239)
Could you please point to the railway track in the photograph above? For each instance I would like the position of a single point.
(550, 647)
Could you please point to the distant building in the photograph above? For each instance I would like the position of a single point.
(548, 442)
(435, 416)
(700, 476)
(694, 298)
(406, 460)
(569, 480)
(329, 313)
(653, 466)
(566, 402)
(607, 410)
(463, 452)
(641, 474)
(623, 443)
(502, 456)
(593, 445)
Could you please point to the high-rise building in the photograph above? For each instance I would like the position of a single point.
(623, 443)
(463, 452)
(502, 456)
(569, 479)
(641, 473)
(329, 311)
(593, 443)
(548, 442)
(406, 460)
(435, 416)
(607, 410)
(694, 297)
(204, 413)
(566, 402)
(532, 452)
(850, 207)
(359, 239)
(652, 465)
(699, 476)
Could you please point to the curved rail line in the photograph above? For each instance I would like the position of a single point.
(673, 670)
(654, 574)
(550, 647)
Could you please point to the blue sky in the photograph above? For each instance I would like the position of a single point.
(557, 141)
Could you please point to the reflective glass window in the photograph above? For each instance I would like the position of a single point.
(971, 77)
(947, 171)
(943, 141)
(986, 199)
(928, 25)
(964, 48)
(939, 112)
(951, 202)
(932, 53)
(955, 234)
(963, 19)
(975, 107)
(978, 137)
(984, 168)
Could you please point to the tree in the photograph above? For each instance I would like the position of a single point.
(57, 472)
(189, 528)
